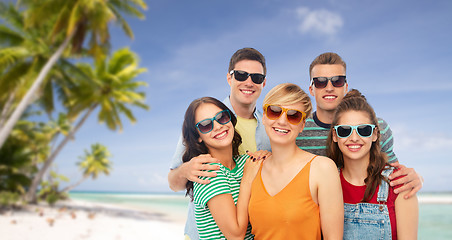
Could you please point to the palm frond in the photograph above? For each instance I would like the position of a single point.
(11, 16)
(11, 55)
(9, 37)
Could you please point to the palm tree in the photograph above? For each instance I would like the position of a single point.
(23, 52)
(93, 163)
(77, 19)
(111, 86)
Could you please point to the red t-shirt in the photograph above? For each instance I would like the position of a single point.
(354, 194)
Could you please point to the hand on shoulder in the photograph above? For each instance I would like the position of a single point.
(202, 166)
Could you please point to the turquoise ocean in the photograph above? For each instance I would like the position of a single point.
(435, 212)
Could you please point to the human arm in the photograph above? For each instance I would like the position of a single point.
(411, 181)
(407, 215)
(192, 170)
(181, 172)
(233, 219)
(329, 197)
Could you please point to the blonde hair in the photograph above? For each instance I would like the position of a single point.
(288, 94)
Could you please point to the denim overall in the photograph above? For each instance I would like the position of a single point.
(368, 220)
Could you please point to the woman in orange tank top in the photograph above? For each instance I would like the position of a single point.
(296, 194)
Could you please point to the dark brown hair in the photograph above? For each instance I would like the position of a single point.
(355, 101)
(327, 58)
(247, 54)
(190, 134)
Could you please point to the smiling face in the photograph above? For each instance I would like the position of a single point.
(279, 130)
(355, 147)
(221, 135)
(328, 98)
(247, 92)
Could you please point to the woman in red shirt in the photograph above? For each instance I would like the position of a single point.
(371, 208)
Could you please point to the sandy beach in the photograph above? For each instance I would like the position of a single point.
(80, 219)
(85, 220)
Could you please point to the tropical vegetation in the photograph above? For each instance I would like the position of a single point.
(65, 60)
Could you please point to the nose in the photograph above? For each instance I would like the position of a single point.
(216, 125)
(329, 86)
(249, 81)
(282, 119)
(354, 136)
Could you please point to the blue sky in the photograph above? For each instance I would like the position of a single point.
(398, 54)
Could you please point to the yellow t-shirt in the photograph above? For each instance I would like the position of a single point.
(247, 130)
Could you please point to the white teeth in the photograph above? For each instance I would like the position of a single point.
(281, 130)
(221, 135)
(354, 146)
(247, 91)
(329, 97)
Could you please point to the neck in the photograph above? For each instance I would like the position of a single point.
(355, 171)
(224, 155)
(283, 155)
(325, 116)
(243, 110)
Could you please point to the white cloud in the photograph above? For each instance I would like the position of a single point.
(321, 21)
(408, 140)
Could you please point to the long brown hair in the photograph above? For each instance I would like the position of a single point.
(193, 147)
(355, 101)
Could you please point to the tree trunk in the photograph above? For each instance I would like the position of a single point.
(69, 188)
(6, 109)
(31, 194)
(26, 100)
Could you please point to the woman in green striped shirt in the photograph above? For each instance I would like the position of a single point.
(220, 212)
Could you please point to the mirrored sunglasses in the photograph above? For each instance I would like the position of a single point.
(206, 125)
(322, 82)
(294, 116)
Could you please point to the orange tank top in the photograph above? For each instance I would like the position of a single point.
(290, 214)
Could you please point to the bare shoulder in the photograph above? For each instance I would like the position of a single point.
(321, 163)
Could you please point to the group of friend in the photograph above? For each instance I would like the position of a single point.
(289, 173)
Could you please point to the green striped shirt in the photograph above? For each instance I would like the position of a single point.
(315, 133)
(226, 182)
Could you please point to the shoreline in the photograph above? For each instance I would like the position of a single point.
(97, 220)
(434, 199)
(77, 219)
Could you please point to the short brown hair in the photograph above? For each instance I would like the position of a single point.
(247, 54)
(327, 58)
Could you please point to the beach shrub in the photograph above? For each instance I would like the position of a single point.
(49, 192)
(8, 199)
(15, 165)
(49, 189)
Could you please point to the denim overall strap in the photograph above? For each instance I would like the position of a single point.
(367, 220)
(383, 192)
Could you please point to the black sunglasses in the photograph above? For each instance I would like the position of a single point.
(322, 82)
(363, 130)
(241, 76)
